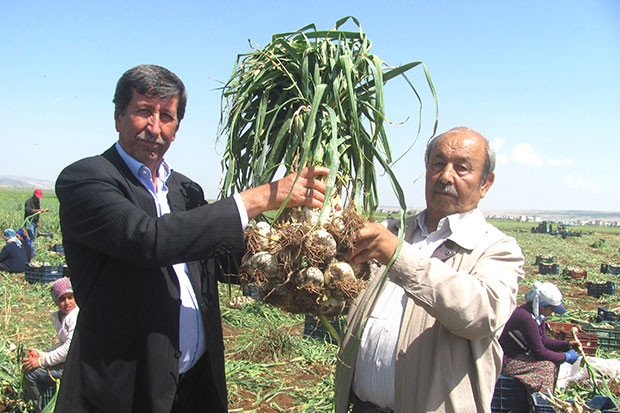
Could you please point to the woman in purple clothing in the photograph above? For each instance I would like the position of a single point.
(530, 355)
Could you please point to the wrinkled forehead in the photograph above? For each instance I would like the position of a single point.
(459, 145)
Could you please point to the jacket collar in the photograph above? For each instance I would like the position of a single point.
(466, 229)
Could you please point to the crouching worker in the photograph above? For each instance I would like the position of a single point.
(43, 367)
(530, 355)
(13, 255)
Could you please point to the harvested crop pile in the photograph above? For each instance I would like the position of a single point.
(299, 264)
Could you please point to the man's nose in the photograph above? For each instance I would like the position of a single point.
(154, 124)
(447, 174)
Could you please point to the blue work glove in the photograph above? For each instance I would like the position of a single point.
(571, 356)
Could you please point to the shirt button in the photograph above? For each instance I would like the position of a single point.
(177, 354)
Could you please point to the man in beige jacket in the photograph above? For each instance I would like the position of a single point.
(424, 336)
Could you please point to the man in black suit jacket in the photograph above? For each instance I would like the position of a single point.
(145, 251)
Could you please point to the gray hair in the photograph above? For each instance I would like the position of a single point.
(489, 161)
(151, 81)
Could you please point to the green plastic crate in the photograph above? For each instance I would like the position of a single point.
(608, 335)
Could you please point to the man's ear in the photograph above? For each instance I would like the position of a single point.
(487, 184)
(117, 120)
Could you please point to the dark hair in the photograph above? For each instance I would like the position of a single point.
(151, 81)
(489, 160)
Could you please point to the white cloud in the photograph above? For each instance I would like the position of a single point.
(524, 153)
(497, 143)
(582, 184)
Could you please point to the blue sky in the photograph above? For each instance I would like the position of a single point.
(541, 80)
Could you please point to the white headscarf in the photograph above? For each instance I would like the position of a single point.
(9, 236)
(547, 295)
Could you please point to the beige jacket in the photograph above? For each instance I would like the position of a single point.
(448, 356)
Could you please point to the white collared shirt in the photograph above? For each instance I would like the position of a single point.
(192, 343)
(375, 366)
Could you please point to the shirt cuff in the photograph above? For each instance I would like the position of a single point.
(42, 362)
(243, 213)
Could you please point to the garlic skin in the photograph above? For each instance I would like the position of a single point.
(337, 222)
(265, 231)
(338, 271)
(265, 262)
(263, 228)
(313, 216)
(310, 275)
(324, 241)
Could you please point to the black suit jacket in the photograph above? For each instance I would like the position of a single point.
(125, 350)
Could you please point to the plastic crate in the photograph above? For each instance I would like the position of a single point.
(544, 259)
(601, 403)
(604, 404)
(315, 329)
(48, 394)
(559, 329)
(58, 248)
(577, 274)
(510, 395)
(548, 268)
(257, 292)
(540, 404)
(603, 315)
(563, 331)
(610, 269)
(608, 335)
(596, 290)
(43, 274)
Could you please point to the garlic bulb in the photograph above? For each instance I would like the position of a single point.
(265, 262)
(323, 242)
(338, 271)
(310, 275)
(263, 229)
(313, 216)
(338, 222)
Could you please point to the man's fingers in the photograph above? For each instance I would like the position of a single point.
(314, 171)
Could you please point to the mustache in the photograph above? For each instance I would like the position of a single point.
(148, 137)
(445, 189)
